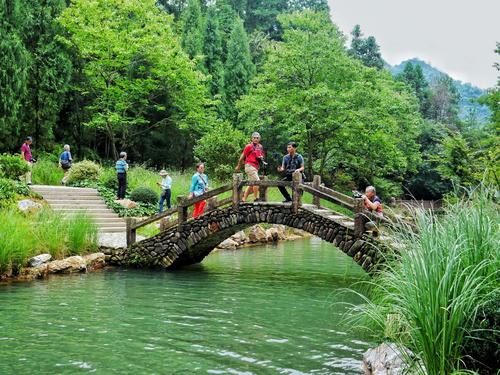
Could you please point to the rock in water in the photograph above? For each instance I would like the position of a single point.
(39, 259)
(257, 234)
(228, 244)
(68, 265)
(387, 359)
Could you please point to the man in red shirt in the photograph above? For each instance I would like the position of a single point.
(252, 154)
(26, 153)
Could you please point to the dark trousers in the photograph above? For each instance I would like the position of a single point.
(165, 196)
(122, 185)
(284, 192)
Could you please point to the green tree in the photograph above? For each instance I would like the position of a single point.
(413, 76)
(49, 72)
(315, 5)
(174, 7)
(226, 17)
(262, 15)
(212, 50)
(192, 29)
(136, 76)
(14, 65)
(220, 148)
(341, 113)
(366, 50)
(238, 70)
(444, 99)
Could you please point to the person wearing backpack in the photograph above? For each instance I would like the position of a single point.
(253, 155)
(199, 185)
(65, 161)
(121, 173)
(292, 163)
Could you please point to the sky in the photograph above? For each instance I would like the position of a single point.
(457, 37)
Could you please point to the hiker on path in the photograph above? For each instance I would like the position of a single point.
(166, 189)
(253, 155)
(121, 173)
(28, 158)
(199, 185)
(292, 163)
(65, 161)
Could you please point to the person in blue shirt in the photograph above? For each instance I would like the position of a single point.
(121, 172)
(166, 187)
(65, 161)
(199, 185)
(292, 163)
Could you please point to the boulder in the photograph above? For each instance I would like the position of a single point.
(27, 205)
(127, 203)
(39, 259)
(239, 237)
(68, 265)
(257, 234)
(387, 359)
(281, 231)
(272, 235)
(228, 244)
(95, 261)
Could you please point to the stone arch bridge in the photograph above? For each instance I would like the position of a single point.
(186, 241)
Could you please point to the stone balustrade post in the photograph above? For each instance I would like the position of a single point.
(182, 211)
(211, 203)
(237, 178)
(131, 232)
(359, 219)
(316, 183)
(296, 196)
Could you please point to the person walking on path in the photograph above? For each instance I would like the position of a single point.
(199, 185)
(65, 161)
(28, 158)
(292, 163)
(166, 189)
(253, 155)
(121, 172)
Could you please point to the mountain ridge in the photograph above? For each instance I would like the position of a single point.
(468, 92)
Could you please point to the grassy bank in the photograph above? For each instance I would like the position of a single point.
(429, 297)
(26, 235)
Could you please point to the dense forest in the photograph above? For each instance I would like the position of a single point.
(174, 81)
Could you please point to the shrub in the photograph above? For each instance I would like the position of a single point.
(7, 191)
(220, 148)
(144, 195)
(85, 170)
(12, 166)
(108, 179)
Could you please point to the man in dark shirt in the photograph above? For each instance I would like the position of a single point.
(292, 163)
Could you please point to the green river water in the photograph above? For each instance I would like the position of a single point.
(275, 309)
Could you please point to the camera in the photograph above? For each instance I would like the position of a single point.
(357, 194)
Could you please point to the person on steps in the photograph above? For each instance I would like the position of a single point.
(199, 185)
(121, 173)
(28, 158)
(292, 163)
(253, 155)
(65, 161)
(166, 189)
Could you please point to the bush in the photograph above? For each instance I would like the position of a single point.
(47, 172)
(220, 149)
(109, 179)
(85, 170)
(7, 191)
(12, 166)
(144, 195)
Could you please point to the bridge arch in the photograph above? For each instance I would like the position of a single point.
(196, 238)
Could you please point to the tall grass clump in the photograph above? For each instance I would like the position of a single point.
(447, 268)
(50, 232)
(47, 172)
(16, 241)
(82, 234)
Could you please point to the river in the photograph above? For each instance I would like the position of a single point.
(275, 309)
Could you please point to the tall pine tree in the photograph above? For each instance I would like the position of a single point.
(238, 71)
(212, 50)
(192, 29)
(367, 50)
(50, 70)
(14, 64)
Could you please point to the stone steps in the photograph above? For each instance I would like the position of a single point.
(69, 201)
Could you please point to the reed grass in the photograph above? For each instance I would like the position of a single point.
(82, 234)
(446, 269)
(46, 172)
(16, 242)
